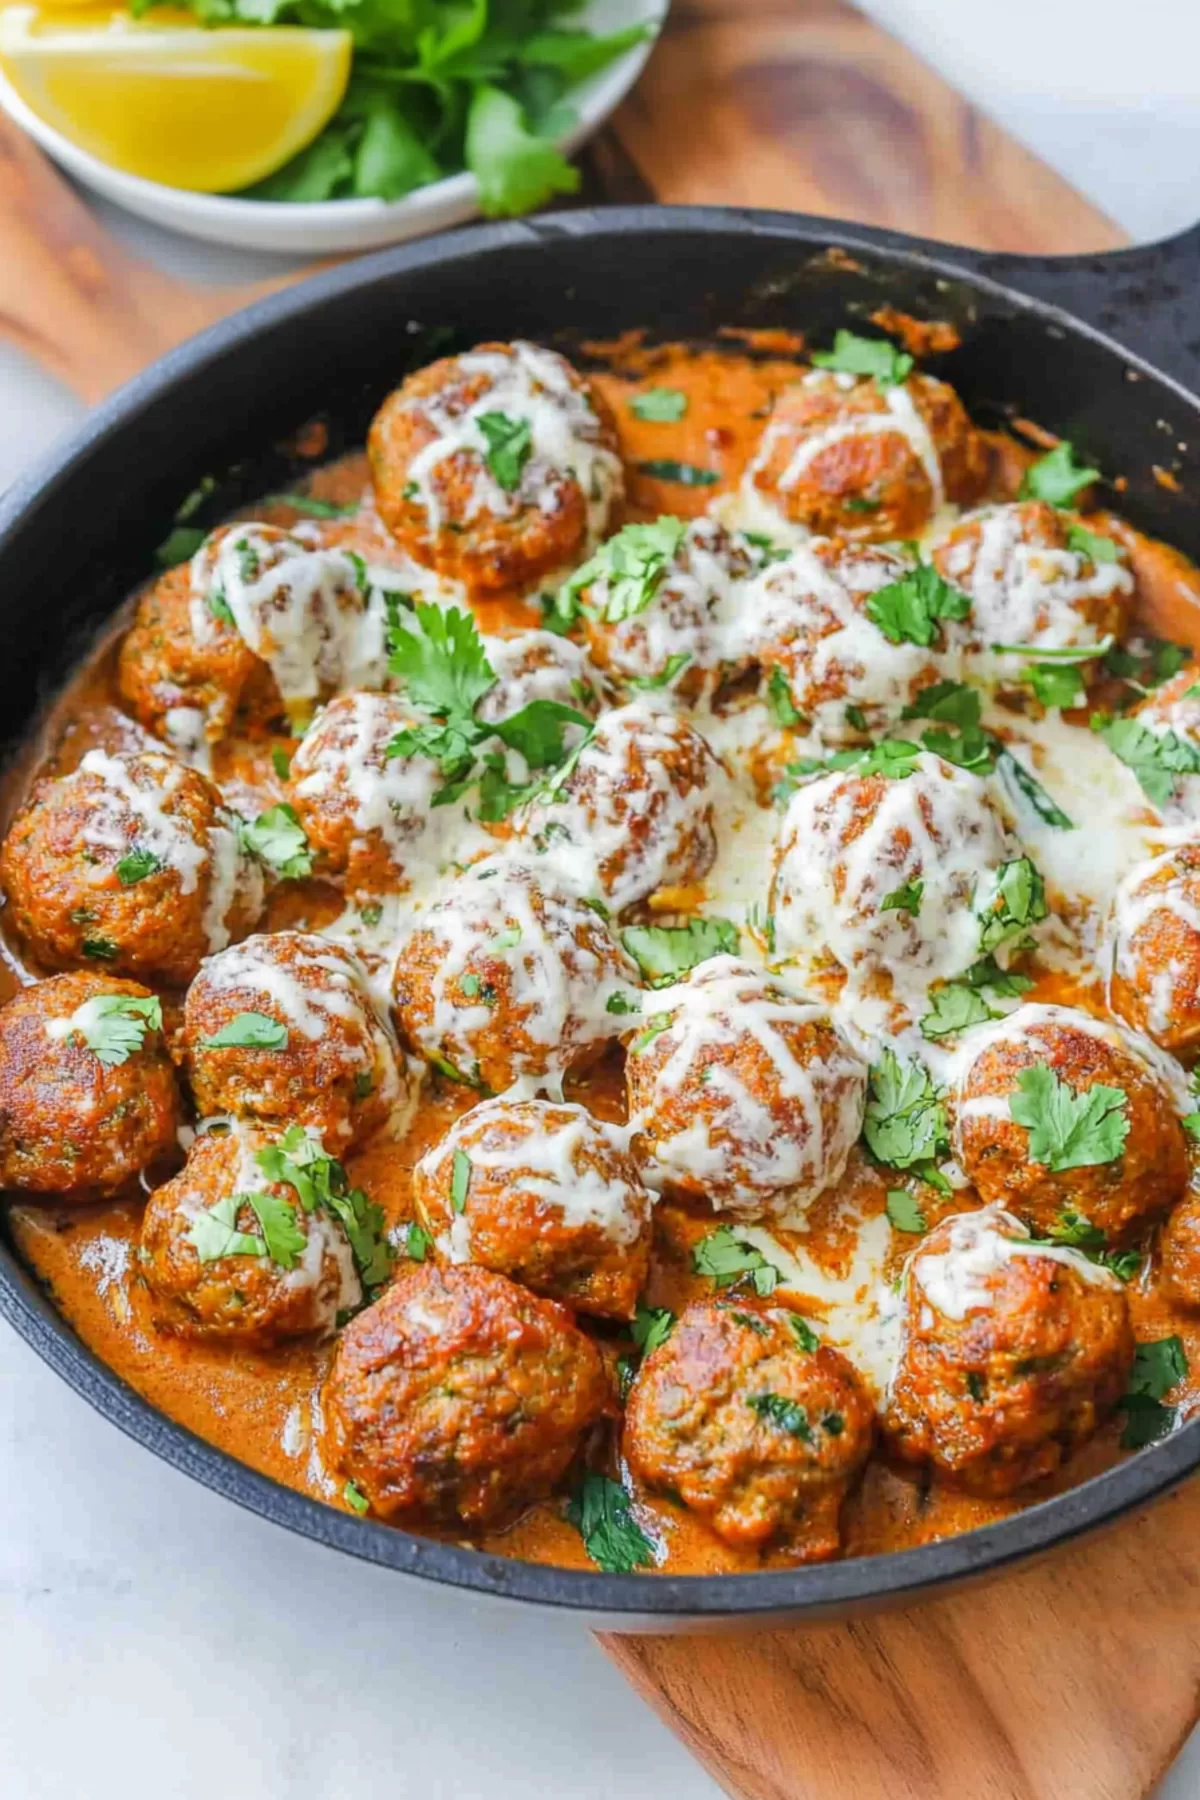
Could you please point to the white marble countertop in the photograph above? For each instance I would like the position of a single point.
(157, 1642)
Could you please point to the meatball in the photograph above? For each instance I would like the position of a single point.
(806, 617)
(510, 975)
(857, 460)
(1013, 1353)
(132, 861)
(87, 1091)
(282, 1030)
(498, 468)
(370, 816)
(749, 1428)
(1155, 943)
(186, 673)
(1028, 585)
(892, 879)
(544, 1194)
(1172, 714)
(538, 665)
(459, 1397)
(1179, 1252)
(742, 1093)
(660, 604)
(206, 1259)
(633, 813)
(1118, 1174)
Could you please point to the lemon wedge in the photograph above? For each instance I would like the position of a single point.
(160, 98)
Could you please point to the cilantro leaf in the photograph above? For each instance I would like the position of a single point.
(875, 357)
(516, 170)
(417, 1242)
(1069, 1129)
(652, 1326)
(655, 1026)
(301, 1162)
(665, 952)
(443, 666)
(725, 1258)
(538, 731)
(180, 545)
(684, 474)
(907, 610)
(136, 865)
(277, 838)
(659, 405)
(1090, 544)
(1156, 662)
(1158, 1366)
(1025, 788)
(213, 1233)
(786, 1415)
(509, 447)
(905, 1124)
(1007, 906)
(1056, 477)
(100, 949)
(1056, 685)
(281, 762)
(628, 571)
(276, 1217)
(1158, 759)
(893, 757)
(903, 1212)
(249, 1031)
(460, 1180)
(114, 1026)
(949, 703)
(954, 1007)
(806, 1338)
(599, 1509)
(312, 507)
(780, 704)
(355, 1499)
(674, 665)
(906, 899)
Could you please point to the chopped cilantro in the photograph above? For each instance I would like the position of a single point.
(312, 507)
(1056, 477)
(509, 447)
(276, 1217)
(136, 865)
(1055, 685)
(1158, 759)
(417, 1242)
(249, 1031)
(954, 1007)
(442, 666)
(780, 704)
(665, 952)
(371, 914)
(364, 1083)
(628, 570)
(600, 1511)
(674, 665)
(906, 899)
(220, 608)
(656, 1025)
(1156, 662)
(621, 1004)
(659, 405)
(856, 718)
(299, 1161)
(686, 474)
(1024, 787)
(277, 838)
(355, 1499)
(903, 1211)
(100, 949)
(460, 1180)
(806, 1338)
(1009, 904)
(905, 1125)
(873, 357)
(281, 762)
(787, 1415)
(180, 545)
(114, 1026)
(1069, 1129)
(908, 610)
(725, 1258)
(213, 1233)
(652, 1326)
(1158, 1366)
(1090, 544)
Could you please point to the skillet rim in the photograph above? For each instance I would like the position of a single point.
(625, 1601)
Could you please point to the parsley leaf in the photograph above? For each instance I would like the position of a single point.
(180, 545)
(1015, 901)
(665, 952)
(1056, 478)
(652, 1326)
(249, 1031)
(903, 1212)
(213, 1233)
(628, 570)
(905, 1125)
(136, 865)
(443, 666)
(725, 1258)
(516, 170)
(114, 1026)
(907, 610)
(659, 405)
(509, 447)
(1158, 1366)
(1069, 1129)
(876, 357)
(906, 899)
(277, 838)
(599, 1509)
(281, 762)
(1158, 759)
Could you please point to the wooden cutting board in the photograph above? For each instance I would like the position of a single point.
(1077, 1677)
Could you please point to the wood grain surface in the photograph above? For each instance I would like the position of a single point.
(1073, 1680)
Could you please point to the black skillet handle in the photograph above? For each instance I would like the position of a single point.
(1147, 298)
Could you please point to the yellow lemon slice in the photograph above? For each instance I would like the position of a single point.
(208, 110)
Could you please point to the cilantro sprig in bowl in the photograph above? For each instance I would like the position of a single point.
(453, 108)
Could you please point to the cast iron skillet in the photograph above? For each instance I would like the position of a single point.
(78, 534)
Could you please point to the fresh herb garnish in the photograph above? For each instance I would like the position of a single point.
(780, 704)
(1158, 661)
(460, 1180)
(100, 949)
(137, 865)
(659, 405)
(665, 952)
(806, 1338)
(906, 899)
(249, 1031)
(312, 507)
(278, 839)
(355, 1499)
(180, 545)
(908, 610)
(620, 1005)
(874, 357)
(905, 1124)
(1056, 477)
(655, 1026)
(213, 1233)
(1158, 759)
(219, 607)
(652, 1326)
(627, 572)
(1011, 901)
(300, 1161)
(509, 447)
(1090, 544)
(1056, 686)
(785, 1415)
(114, 1026)
(903, 1211)
(1157, 1368)
(281, 762)
(600, 1511)
(1069, 1129)
(685, 474)
(1024, 787)
(674, 665)
(726, 1258)
(417, 1242)
(957, 1005)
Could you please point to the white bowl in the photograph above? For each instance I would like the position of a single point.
(330, 226)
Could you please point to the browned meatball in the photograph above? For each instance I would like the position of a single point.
(1012, 1354)
(857, 460)
(213, 1268)
(497, 468)
(1118, 1174)
(369, 816)
(509, 974)
(189, 685)
(663, 602)
(1155, 938)
(1028, 584)
(538, 665)
(459, 1396)
(744, 1094)
(282, 1030)
(87, 1091)
(807, 618)
(634, 813)
(749, 1428)
(133, 862)
(1179, 1252)
(545, 1195)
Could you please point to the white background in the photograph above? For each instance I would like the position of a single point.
(156, 1643)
